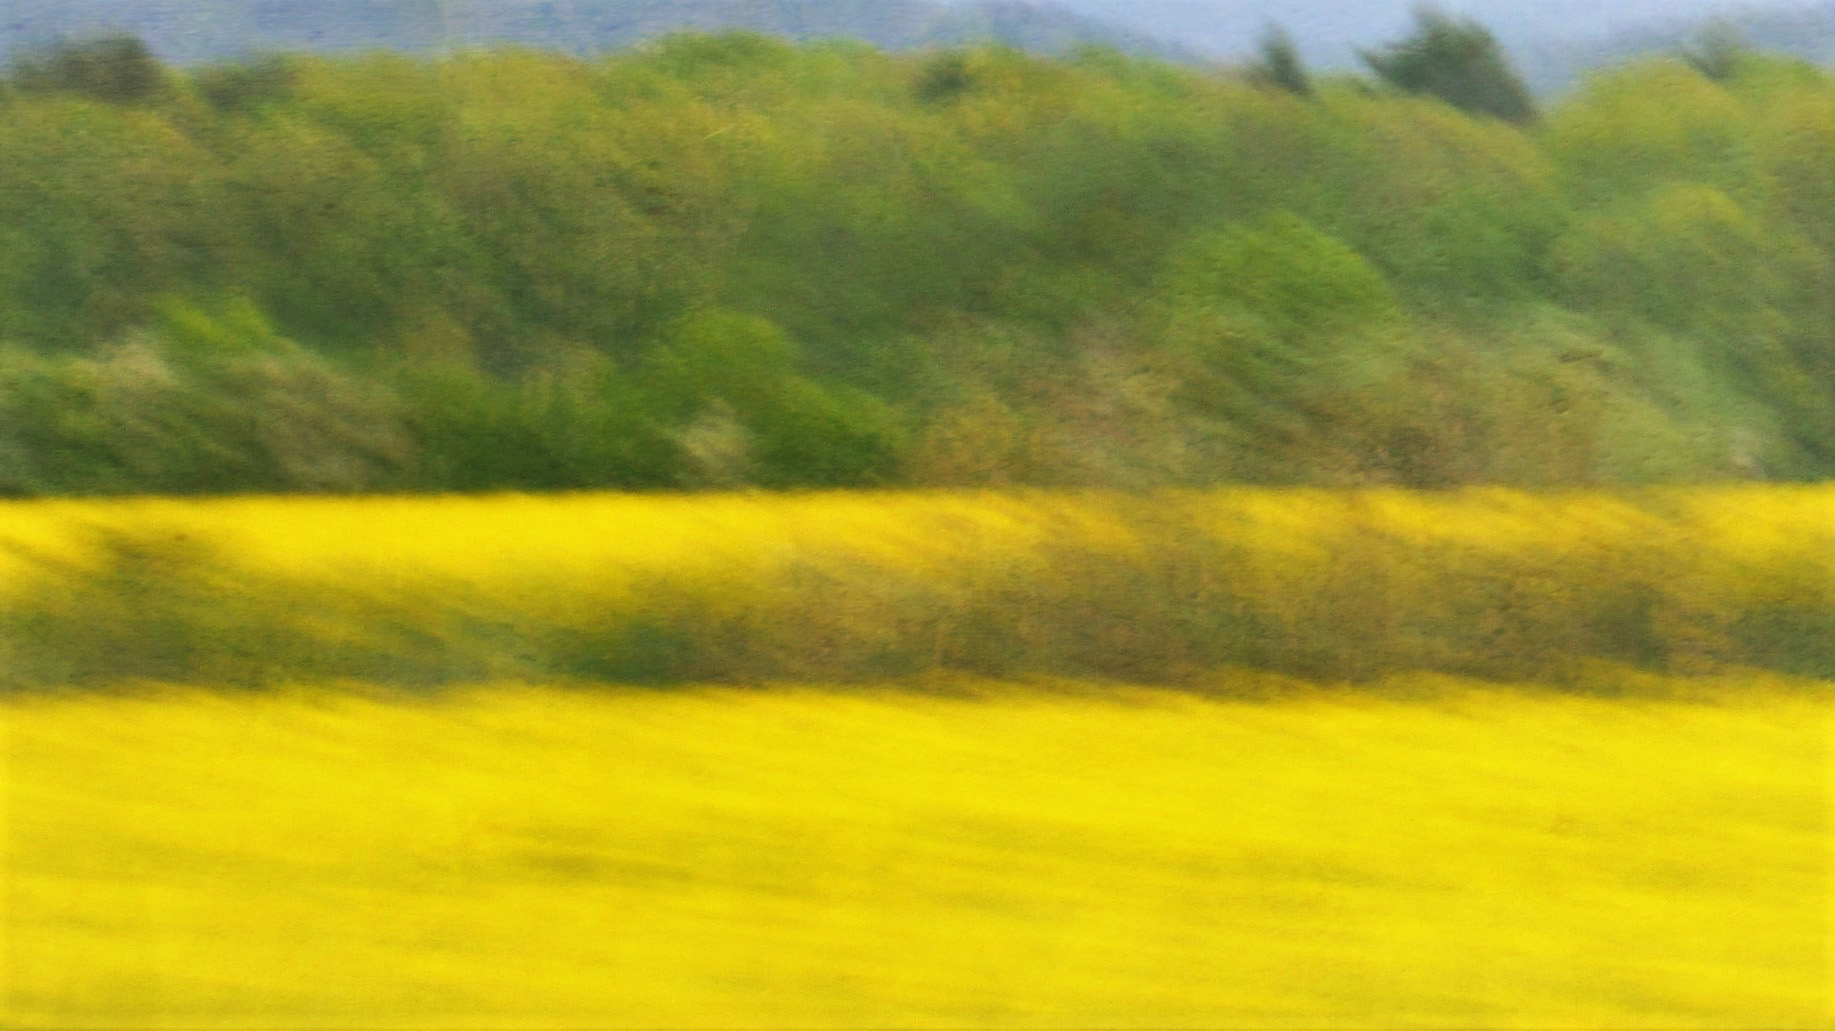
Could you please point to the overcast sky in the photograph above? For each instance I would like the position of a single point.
(1328, 30)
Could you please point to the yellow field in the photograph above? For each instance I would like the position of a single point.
(1429, 852)
(494, 539)
(1643, 841)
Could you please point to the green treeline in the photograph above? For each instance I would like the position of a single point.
(720, 261)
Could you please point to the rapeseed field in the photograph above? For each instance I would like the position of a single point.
(1212, 759)
(1425, 851)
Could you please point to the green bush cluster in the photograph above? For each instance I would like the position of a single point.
(723, 260)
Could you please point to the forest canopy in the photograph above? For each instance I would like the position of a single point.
(722, 260)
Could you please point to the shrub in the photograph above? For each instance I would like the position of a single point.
(118, 69)
(1458, 61)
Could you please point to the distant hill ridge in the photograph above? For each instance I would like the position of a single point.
(1807, 32)
(1554, 63)
(200, 30)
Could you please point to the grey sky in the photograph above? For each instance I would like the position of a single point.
(1329, 30)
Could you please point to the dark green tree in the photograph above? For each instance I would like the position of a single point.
(119, 69)
(245, 84)
(1458, 61)
(1716, 50)
(1278, 64)
(943, 79)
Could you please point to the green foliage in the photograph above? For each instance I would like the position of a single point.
(1457, 211)
(1635, 128)
(721, 63)
(117, 69)
(741, 360)
(944, 78)
(1262, 320)
(573, 425)
(1796, 149)
(728, 260)
(233, 327)
(1298, 283)
(103, 209)
(1717, 50)
(324, 212)
(1748, 298)
(730, 385)
(827, 438)
(1458, 61)
(211, 402)
(1279, 64)
(246, 85)
(1686, 257)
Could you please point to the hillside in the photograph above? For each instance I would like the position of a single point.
(726, 261)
